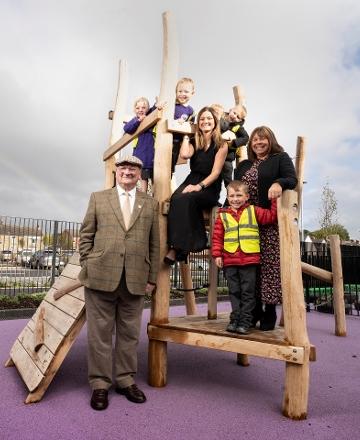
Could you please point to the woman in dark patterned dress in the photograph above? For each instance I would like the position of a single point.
(268, 171)
(200, 190)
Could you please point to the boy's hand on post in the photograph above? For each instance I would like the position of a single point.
(219, 262)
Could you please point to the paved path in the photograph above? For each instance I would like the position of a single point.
(208, 395)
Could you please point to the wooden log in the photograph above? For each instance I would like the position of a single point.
(39, 330)
(189, 295)
(317, 272)
(242, 359)
(37, 394)
(238, 344)
(299, 168)
(117, 118)
(239, 98)
(148, 122)
(213, 273)
(70, 286)
(68, 304)
(338, 286)
(42, 357)
(53, 338)
(157, 359)
(296, 392)
(162, 191)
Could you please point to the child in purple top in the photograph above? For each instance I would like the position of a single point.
(144, 143)
(183, 112)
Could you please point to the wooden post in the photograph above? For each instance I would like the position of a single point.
(297, 376)
(239, 98)
(213, 273)
(189, 295)
(162, 191)
(299, 168)
(338, 286)
(117, 122)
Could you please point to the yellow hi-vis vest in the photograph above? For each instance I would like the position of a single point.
(244, 233)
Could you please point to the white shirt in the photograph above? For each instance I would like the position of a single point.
(132, 194)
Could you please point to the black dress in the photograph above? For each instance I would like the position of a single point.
(186, 228)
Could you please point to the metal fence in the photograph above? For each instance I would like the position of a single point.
(33, 253)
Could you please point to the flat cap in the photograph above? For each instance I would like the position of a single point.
(130, 160)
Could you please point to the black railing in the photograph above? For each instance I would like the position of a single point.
(33, 253)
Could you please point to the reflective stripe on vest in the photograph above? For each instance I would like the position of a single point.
(244, 233)
(235, 128)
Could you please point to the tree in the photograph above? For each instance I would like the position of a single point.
(335, 229)
(328, 208)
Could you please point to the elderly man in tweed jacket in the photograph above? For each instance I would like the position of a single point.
(119, 265)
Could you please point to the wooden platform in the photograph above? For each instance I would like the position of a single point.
(63, 320)
(199, 331)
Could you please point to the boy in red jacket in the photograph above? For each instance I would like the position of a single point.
(236, 248)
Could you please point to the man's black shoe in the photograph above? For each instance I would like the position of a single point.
(99, 399)
(132, 393)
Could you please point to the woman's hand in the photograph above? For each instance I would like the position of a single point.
(275, 191)
(191, 188)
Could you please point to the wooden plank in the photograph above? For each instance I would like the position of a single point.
(177, 127)
(63, 281)
(67, 288)
(52, 338)
(317, 272)
(149, 121)
(42, 357)
(213, 272)
(67, 303)
(238, 344)
(74, 259)
(57, 318)
(71, 271)
(38, 393)
(39, 330)
(29, 372)
(9, 363)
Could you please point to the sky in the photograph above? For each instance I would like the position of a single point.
(298, 63)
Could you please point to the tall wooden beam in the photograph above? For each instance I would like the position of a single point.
(162, 192)
(297, 376)
(117, 123)
(338, 286)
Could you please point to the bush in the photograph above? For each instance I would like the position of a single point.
(21, 301)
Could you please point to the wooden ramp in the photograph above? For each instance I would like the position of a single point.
(58, 322)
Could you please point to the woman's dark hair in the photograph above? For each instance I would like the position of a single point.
(264, 132)
(215, 135)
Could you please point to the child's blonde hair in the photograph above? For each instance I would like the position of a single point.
(241, 110)
(142, 99)
(219, 109)
(185, 81)
(236, 185)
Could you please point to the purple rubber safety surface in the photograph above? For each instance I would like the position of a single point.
(208, 396)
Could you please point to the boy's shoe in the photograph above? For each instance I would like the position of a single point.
(242, 330)
(232, 326)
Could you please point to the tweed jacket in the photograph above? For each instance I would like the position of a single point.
(107, 247)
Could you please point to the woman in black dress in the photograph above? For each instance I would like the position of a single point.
(200, 190)
(268, 172)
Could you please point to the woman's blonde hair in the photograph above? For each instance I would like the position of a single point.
(215, 135)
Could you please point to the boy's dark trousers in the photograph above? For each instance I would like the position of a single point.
(227, 172)
(241, 283)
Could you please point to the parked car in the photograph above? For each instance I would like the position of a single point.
(6, 255)
(23, 257)
(44, 259)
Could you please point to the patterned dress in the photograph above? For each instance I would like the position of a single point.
(269, 280)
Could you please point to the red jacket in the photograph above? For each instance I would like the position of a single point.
(239, 258)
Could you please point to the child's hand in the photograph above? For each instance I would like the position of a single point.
(228, 135)
(141, 117)
(159, 105)
(219, 262)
